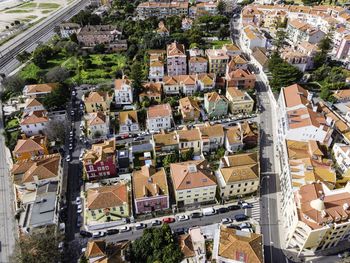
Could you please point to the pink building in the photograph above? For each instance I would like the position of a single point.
(99, 162)
(150, 190)
(176, 59)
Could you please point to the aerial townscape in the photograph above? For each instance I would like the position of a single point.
(174, 131)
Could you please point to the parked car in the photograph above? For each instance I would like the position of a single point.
(245, 205)
(179, 231)
(208, 211)
(168, 220)
(183, 218)
(233, 226)
(79, 221)
(222, 210)
(140, 226)
(84, 233)
(196, 215)
(78, 200)
(246, 225)
(226, 221)
(233, 207)
(79, 208)
(241, 217)
(112, 231)
(156, 222)
(124, 229)
(68, 158)
(98, 234)
(250, 230)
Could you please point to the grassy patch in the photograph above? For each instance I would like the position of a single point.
(30, 71)
(28, 5)
(12, 124)
(219, 43)
(46, 11)
(48, 5)
(70, 63)
(31, 17)
(14, 11)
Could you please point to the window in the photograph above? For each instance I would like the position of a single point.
(100, 211)
(121, 209)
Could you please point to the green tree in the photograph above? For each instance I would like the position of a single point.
(57, 74)
(41, 55)
(13, 84)
(24, 56)
(71, 48)
(223, 33)
(279, 41)
(40, 247)
(221, 7)
(136, 76)
(156, 245)
(283, 74)
(170, 158)
(186, 155)
(57, 98)
(100, 48)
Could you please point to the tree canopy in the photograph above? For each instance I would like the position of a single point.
(42, 54)
(156, 245)
(57, 98)
(283, 74)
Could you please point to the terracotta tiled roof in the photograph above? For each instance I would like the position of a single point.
(118, 83)
(231, 47)
(95, 249)
(192, 174)
(32, 103)
(295, 95)
(180, 79)
(235, 92)
(149, 182)
(43, 167)
(97, 97)
(175, 49)
(189, 105)
(186, 245)
(189, 135)
(234, 244)
(46, 87)
(35, 117)
(165, 139)
(241, 74)
(342, 94)
(206, 78)
(100, 151)
(128, 115)
(322, 205)
(97, 118)
(216, 54)
(233, 135)
(30, 144)
(214, 96)
(162, 110)
(107, 196)
(152, 88)
(210, 131)
(198, 60)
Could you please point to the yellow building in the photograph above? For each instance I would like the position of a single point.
(193, 181)
(97, 101)
(218, 60)
(239, 101)
(189, 139)
(30, 147)
(238, 175)
(107, 203)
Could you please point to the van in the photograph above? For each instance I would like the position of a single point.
(208, 211)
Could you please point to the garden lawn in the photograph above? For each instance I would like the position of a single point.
(30, 71)
(12, 124)
(15, 11)
(48, 5)
(219, 43)
(28, 5)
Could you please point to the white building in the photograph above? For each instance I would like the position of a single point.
(159, 117)
(342, 156)
(97, 124)
(123, 91)
(251, 37)
(34, 122)
(298, 117)
(128, 122)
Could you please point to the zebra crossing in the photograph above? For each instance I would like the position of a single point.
(254, 212)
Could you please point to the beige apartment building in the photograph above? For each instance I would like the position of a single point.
(239, 101)
(193, 181)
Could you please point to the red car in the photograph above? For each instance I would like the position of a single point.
(168, 220)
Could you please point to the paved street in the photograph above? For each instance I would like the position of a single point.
(7, 221)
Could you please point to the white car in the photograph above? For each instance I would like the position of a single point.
(74, 93)
(98, 234)
(70, 146)
(79, 208)
(226, 221)
(183, 218)
(71, 133)
(81, 155)
(124, 229)
(78, 200)
(68, 158)
(247, 230)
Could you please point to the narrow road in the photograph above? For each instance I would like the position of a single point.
(7, 221)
